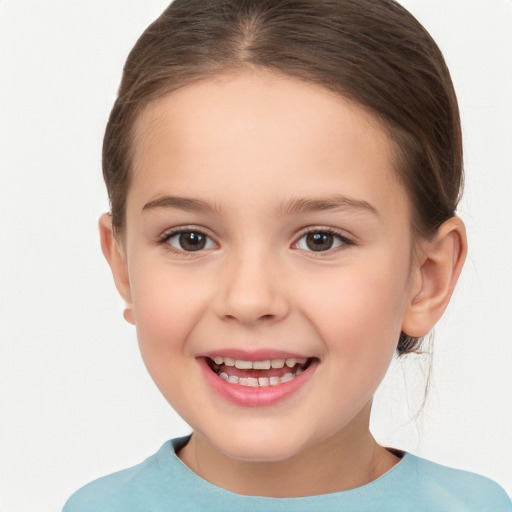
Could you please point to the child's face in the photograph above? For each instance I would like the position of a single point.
(265, 222)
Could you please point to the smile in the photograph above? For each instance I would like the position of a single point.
(269, 372)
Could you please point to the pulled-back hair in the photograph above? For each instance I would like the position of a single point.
(373, 52)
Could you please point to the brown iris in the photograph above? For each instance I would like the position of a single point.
(192, 241)
(319, 241)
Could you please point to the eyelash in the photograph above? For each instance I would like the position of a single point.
(343, 240)
(164, 239)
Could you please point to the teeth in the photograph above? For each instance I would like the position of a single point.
(243, 365)
(249, 381)
(258, 365)
(261, 365)
(253, 382)
(260, 382)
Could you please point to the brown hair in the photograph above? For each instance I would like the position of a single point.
(373, 52)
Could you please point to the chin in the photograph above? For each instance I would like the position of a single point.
(259, 447)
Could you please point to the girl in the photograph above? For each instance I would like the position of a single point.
(283, 178)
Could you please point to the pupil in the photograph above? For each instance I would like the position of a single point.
(319, 241)
(192, 241)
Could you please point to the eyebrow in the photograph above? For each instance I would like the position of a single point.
(182, 203)
(292, 207)
(335, 202)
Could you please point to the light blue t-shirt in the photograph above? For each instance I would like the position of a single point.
(162, 483)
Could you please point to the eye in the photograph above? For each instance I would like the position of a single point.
(321, 241)
(189, 241)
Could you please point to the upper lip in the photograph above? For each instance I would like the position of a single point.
(253, 355)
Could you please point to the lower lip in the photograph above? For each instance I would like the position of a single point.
(261, 396)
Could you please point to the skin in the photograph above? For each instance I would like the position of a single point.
(252, 145)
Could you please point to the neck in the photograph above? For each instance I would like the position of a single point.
(350, 458)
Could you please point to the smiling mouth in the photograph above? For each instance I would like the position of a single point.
(270, 372)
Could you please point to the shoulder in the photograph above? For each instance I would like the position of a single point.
(441, 486)
(132, 489)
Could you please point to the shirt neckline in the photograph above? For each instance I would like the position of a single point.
(172, 465)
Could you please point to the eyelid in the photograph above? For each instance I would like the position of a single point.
(341, 235)
(169, 233)
(177, 230)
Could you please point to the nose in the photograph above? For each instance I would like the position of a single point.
(252, 291)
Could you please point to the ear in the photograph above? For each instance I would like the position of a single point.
(115, 257)
(434, 275)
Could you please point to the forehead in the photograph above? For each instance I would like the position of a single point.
(259, 127)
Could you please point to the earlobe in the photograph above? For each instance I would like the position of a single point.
(435, 275)
(117, 261)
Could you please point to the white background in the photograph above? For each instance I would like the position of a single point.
(76, 402)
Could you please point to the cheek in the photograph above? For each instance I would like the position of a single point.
(359, 322)
(166, 307)
(165, 310)
(359, 310)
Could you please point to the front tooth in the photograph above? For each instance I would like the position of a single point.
(264, 381)
(243, 381)
(218, 360)
(261, 365)
(274, 381)
(277, 363)
(291, 362)
(286, 377)
(253, 382)
(243, 365)
(228, 361)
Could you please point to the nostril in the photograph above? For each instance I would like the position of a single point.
(266, 317)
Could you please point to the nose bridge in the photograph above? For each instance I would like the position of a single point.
(251, 287)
